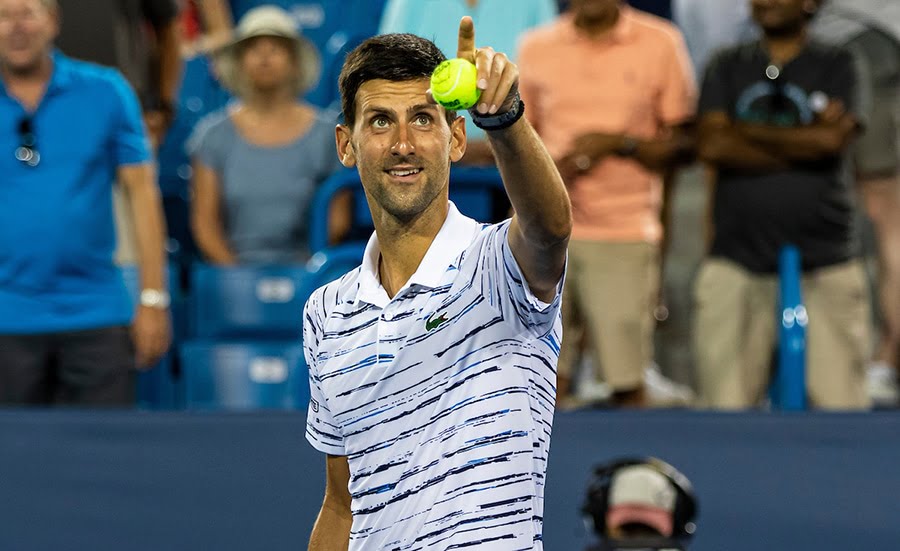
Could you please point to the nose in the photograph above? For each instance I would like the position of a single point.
(403, 144)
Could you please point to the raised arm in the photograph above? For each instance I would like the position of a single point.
(540, 228)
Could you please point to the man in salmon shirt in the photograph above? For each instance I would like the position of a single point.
(610, 90)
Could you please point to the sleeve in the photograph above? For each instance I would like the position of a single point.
(845, 82)
(678, 97)
(159, 13)
(322, 431)
(505, 287)
(131, 145)
(714, 94)
(205, 143)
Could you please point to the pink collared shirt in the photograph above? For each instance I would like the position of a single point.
(637, 80)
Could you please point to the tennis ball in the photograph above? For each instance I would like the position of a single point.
(453, 84)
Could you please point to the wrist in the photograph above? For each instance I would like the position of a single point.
(501, 120)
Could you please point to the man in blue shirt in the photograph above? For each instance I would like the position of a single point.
(68, 130)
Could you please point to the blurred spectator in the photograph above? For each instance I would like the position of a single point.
(609, 89)
(140, 38)
(258, 164)
(334, 26)
(69, 129)
(640, 504)
(777, 118)
(871, 29)
(497, 24)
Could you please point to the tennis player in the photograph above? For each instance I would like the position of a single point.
(433, 364)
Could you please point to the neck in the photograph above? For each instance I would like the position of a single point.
(36, 74)
(403, 245)
(784, 45)
(596, 27)
(270, 102)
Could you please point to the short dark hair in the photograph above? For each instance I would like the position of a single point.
(395, 57)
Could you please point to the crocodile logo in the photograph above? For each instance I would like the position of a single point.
(432, 323)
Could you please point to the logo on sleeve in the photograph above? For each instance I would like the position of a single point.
(314, 405)
(432, 323)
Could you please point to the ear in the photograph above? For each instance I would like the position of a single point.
(811, 6)
(343, 136)
(457, 139)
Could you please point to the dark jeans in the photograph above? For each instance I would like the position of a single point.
(93, 367)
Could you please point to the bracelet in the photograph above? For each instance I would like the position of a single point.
(500, 120)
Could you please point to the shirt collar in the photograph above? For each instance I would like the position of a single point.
(621, 31)
(451, 240)
(60, 77)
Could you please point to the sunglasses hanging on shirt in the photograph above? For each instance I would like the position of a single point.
(27, 151)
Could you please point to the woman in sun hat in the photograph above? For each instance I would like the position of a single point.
(258, 162)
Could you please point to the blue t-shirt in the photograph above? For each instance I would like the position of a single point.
(266, 191)
(57, 233)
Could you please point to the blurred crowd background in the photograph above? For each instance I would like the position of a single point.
(698, 139)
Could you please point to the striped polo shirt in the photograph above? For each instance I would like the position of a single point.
(441, 398)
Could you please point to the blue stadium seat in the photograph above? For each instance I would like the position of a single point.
(329, 264)
(259, 302)
(160, 387)
(245, 375)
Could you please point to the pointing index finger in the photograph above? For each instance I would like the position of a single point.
(466, 45)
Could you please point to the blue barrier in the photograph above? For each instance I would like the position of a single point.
(789, 383)
(144, 481)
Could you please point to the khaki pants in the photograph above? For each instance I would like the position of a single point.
(736, 331)
(610, 293)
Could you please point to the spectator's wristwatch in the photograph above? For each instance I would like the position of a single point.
(628, 148)
(155, 298)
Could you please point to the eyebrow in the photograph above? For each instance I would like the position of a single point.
(375, 110)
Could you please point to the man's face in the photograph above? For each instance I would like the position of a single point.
(27, 29)
(595, 10)
(402, 147)
(780, 15)
(268, 62)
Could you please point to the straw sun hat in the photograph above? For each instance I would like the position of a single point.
(268, 21)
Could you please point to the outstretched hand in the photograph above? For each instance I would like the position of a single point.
(498, 77)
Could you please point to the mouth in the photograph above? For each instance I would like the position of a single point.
(404, 174)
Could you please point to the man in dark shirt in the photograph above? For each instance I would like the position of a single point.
(137, 37)
(777, 118)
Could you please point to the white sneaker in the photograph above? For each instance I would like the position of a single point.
(663, 392)
(881, 385)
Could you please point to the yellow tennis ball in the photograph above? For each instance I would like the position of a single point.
(453, 84)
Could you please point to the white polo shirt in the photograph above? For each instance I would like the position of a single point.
(441, 398)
